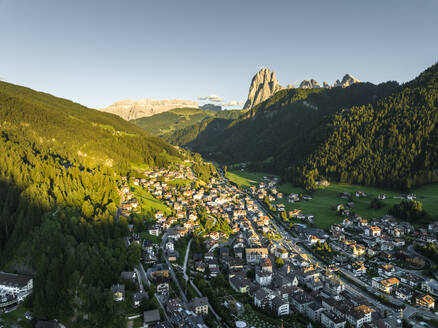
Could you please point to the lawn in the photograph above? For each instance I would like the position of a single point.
(148, 202)
(179, 182)
(16, 317)
(323, 204)
(244, 178)
(254, 319)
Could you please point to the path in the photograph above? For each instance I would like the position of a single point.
(186, 277)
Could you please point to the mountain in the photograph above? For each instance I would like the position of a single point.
(280, 130)
(347, 80)
(135, 109)
(167, 123)
(392, 142)
(263, 85)
(384, 135)
(306, 84)
(60, 167)
(213, 107)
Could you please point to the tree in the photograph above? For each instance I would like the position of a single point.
(279, 261)
(133, 255)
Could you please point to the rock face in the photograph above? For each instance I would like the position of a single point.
(263, 85)
(347, 80)
(306, 84)
(134, 109)
(212, 107)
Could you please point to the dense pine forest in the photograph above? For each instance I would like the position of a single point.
(393, 143)
(59, 168)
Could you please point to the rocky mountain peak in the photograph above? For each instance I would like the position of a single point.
(306, 84)
(347, 80)
(263, 85)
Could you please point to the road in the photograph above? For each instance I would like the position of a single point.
(142, 274)
(172, 272)
(351, 288)
(186, 258)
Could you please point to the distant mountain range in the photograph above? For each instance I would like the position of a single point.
(135, 109)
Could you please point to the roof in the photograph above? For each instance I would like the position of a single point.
(151, 316)
(266, 262)
(257, 250)
(199, 301)
(46, 324)
(12, 279)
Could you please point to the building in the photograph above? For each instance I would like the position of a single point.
(118, 292)
(199, 305)
(12, 283)
(151, 317)
(254, 255)
(425, 301)
(280, 306)
(330, 320)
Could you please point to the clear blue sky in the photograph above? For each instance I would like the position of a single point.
(96, 52)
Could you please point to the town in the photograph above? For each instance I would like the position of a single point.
(214, 255)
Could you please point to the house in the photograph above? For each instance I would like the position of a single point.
(170, 246)
(262, 297)
(314, 310)
(358, 268)
(280, 306)
(240, 284)
(154, 230)
(425, 301)
(300, 301)
(264, 278)
(385, 285)
(128, 276)
(254, 255)
(330, 320)
(403, 293)
(118, 292)
(359, 315)
(138, 297)
(430, 286)
(199, 305)
(386, 270)
(15, 284)
(151, 317)
(373, 231)
(162, 284)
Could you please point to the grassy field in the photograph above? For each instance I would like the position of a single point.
(148, 202)
(179, 182)
(324, 202)
(243, 178)
(16, 318)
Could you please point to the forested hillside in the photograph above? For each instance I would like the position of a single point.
(59, 166)
(281, 130)
(171, 122)
(393, 143)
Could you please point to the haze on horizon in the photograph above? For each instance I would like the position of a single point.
(99, 52)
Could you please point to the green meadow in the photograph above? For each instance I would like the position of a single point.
(324, 202)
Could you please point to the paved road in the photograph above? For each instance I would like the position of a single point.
(142, 274)
(186, 258)
(172, 272)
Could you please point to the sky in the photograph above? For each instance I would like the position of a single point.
(97, 52)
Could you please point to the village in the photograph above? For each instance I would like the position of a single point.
(360, 273)
(215, 255)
